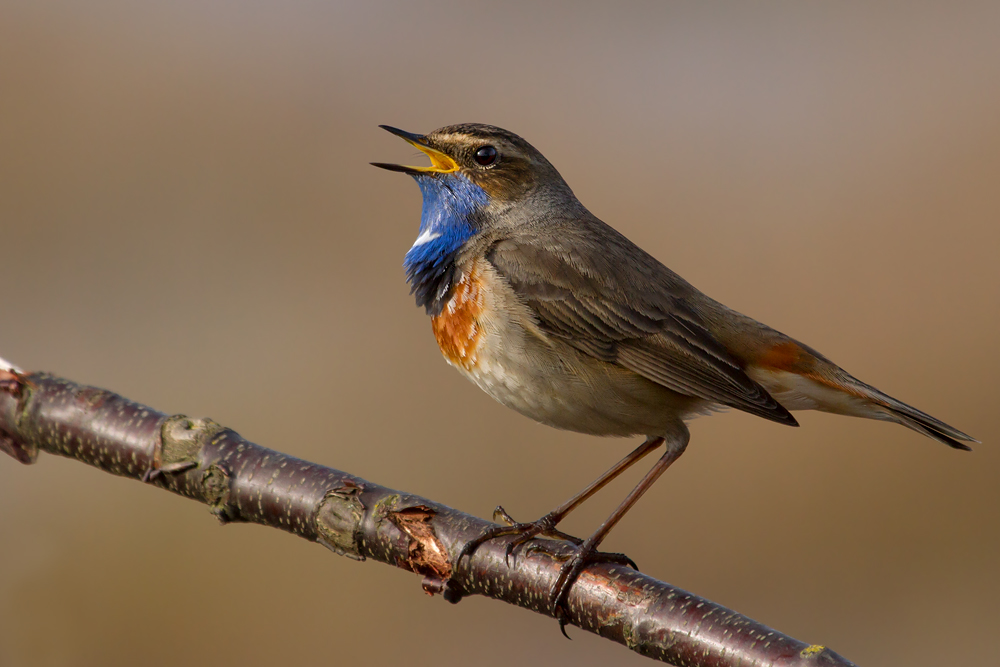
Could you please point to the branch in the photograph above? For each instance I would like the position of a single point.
(242, 481)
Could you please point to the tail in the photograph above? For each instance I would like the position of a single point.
(921, 422)
(800, 378)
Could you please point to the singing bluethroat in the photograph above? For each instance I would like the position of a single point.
(555, 314)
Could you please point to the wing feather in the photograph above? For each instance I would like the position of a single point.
(637, 314)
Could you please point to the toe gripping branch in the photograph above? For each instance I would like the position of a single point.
(573, 563)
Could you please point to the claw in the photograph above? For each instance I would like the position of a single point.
(620, 559)
(510, 552)
(562, 627)
(572, 570)
(500, 515)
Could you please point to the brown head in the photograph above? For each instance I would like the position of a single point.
(503, 164)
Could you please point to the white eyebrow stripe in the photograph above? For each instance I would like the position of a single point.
(426, 237)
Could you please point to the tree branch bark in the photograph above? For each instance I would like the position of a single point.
(242, 481)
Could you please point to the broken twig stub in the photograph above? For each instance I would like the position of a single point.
(426, 554)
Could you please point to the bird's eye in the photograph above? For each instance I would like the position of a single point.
(485, 156)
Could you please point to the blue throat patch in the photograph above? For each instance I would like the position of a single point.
(451, 204)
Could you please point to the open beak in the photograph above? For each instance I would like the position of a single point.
(440, 162)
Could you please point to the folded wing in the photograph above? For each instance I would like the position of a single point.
(635, 313)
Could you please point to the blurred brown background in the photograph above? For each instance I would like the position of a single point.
(187, 217)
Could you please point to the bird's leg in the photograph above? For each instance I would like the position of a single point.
(547, 524)
(588, 552)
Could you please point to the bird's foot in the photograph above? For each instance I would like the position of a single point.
(545, 526)
(571, 571)
(575, 564)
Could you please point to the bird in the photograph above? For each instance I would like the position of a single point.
(557, 315)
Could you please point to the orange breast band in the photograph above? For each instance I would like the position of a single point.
(457, 329)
